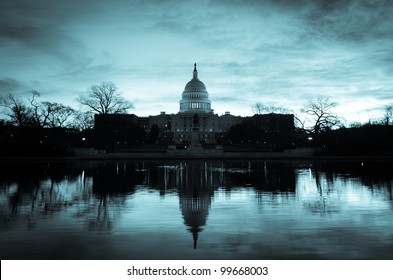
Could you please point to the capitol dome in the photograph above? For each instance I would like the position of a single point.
(195, 98)
(195, 85)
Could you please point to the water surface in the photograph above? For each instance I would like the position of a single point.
(196, 210)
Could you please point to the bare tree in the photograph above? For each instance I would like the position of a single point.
(300, 121)
(41, 112)
(104, 99)
(321, 115)
(58, 114)
(83, 120)
(19, 114)
(49, 114)
(387, 118)
(259, 108)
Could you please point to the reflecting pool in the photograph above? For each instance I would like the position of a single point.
(194, 209)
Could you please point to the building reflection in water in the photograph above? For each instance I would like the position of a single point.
(197, 181)
(253, 198)
(195, 196)
(192, 180)
(98, 190)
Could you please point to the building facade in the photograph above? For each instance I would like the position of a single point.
(195, 100)
(177, 128)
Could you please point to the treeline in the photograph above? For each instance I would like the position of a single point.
(32, 113)
(367, 139)
(37, 127)
(318, 126)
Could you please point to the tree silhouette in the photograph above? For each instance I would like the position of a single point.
(59, 115)
(387, 118)
(104, 99)
(83, 120)
(259, 108)
(39, 117)
(19, 114)
(321, 115)
(49, 114)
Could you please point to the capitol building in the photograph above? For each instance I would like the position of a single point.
(195, 97)
(195, 115)
(194, 100)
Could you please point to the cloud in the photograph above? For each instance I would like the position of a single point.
(227, 99)
(281, 51)
(8, 85)
(346, 21)
(24, 33)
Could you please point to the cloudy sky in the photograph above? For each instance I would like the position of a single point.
(277, 52)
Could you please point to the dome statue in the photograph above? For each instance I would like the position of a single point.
(195, 97)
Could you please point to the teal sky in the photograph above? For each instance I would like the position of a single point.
(281, 53)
